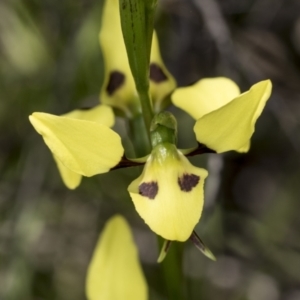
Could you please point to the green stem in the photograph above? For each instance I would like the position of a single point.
(146, 109)
(139, 136)
(172, 270)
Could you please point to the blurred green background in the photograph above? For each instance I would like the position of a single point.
(50, 61)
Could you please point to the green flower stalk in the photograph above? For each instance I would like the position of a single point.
(137, 32)
(137, 27)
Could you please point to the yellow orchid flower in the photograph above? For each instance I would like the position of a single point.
(118, 89)
(168, 194)
(225, 117)
(114, 272)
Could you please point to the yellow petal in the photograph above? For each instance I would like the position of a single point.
(70, 178)
(168, 195)
(205, 96)
(101, 114)
(118, 88)
(231, 126)
(162, 82)
(114, 272)
(84, 147)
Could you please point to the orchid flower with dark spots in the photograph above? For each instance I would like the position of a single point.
(118, 89)
(169, 194)
(167, 184)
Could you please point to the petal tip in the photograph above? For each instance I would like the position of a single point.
(201, 246)
(164, 251)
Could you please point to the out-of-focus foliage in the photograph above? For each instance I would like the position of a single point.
(50, 61)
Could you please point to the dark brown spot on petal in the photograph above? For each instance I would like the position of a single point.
(148, 189)
(188, 181)
(157, 74)
(116, 80)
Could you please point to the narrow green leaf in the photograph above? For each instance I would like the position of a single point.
(137, 26)
(201, 246)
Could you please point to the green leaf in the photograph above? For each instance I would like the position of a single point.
(137, 27)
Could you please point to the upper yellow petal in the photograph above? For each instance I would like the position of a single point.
(231, 126)
(162, 83)
(168, 195)
(118, 88)
(114, 272)
(101, 114)
(205, 96)
(85, 147)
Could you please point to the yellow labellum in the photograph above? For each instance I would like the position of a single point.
(84, 147)
(231, 126)
(168, 195)
(114, 272)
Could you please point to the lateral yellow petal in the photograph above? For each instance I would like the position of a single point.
(162, 83)
(168, 195)
(114, 272)
(101, 114)
(118, 88)
(84, 147)
(71, 179)
(231, 126)
(205, 96)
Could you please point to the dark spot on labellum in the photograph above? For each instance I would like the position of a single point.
(148, 189)
(188, 181)
(157, 74)
(116, 80)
